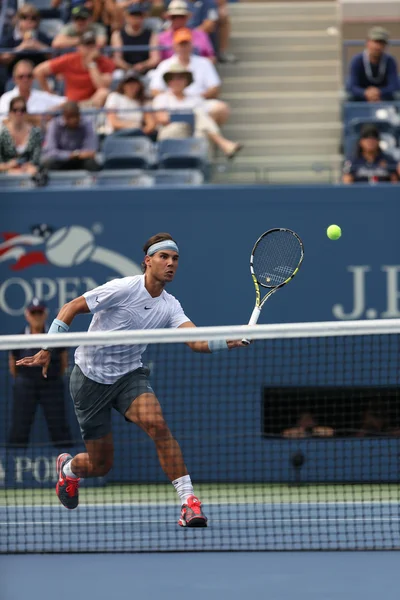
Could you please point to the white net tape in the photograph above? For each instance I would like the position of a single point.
(167, 336)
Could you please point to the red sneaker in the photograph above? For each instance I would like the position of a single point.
(191, 514)
(67, 488)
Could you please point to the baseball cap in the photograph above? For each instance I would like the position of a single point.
(369, 131)
(182, 35)
(136, 9)
(88, 38)
(178, 7)
(378, 34)
(36, 304)
(80, 12)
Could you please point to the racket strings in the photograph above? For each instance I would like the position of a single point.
(276, 258)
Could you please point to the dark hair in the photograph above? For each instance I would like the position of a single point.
(158, 237)
(140, 96)
(71, 108)
(15, 101)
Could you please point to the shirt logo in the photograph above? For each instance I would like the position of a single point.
(148, 307)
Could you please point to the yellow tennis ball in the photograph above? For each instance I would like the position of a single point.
(333, 232)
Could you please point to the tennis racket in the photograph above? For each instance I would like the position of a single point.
(274, 261)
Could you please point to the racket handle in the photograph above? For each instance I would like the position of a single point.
(253, 320)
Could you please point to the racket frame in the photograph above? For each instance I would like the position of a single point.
(272, 289)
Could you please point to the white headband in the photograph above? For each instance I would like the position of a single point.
(164, 245)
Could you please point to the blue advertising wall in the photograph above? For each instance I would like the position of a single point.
(87, 237)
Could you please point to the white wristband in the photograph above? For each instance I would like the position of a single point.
(217, 345)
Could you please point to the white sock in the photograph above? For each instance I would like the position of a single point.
(184, 487)
(68, 472)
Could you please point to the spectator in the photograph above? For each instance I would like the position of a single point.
(177, 79)
(25, 38)
(370, 164)
(373, 73)
(94, 6)
(71, 142)
(206, 81)
(82, 22)
(224, 32)
(307, 426)
(87, 74)
(178, 17)
(204, 15)
(37, 101)
(130, 94)
(135, 34)
(32, 389)
(20, 142)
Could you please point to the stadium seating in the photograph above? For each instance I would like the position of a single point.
(8, 182)
(189, 153)
(128, 152)
(65, 179)
(178, 177)
(124, 177)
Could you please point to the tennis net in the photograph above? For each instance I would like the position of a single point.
(292, 443)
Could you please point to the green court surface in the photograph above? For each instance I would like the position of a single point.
(214, 493)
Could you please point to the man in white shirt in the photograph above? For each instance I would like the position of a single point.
(206, 81)
(106, 377)
(37, 101)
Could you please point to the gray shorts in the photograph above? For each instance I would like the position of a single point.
(93, 401)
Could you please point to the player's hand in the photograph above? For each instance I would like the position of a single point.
(236, 344)
(41, 359)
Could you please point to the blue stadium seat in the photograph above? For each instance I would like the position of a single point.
(65, 179)
(178, 177)
(365, 110)
(129, 133)
(8, 182)
(124, 177)
(188, 153)
(384, 126)
(51, 27)
(128, 152)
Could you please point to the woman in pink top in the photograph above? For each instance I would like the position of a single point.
(178, 15)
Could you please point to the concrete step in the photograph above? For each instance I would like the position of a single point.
(273, 176)
(281, 131)
(255, 116)
(279, 38)
(282, 9)
(280, 148)
(313, 83)
(282, 68)
(266, 24)
(290, 100)
(288, 160)
(258, 51)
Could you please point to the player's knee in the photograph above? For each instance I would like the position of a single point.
(157, 429)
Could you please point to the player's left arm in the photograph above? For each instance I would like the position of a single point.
(204, 346)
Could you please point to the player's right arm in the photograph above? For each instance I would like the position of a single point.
(66, 315)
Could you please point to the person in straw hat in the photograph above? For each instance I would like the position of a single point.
(177, 78)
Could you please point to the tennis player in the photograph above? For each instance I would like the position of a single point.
(106, 377)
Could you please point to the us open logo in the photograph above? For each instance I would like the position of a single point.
(63, 248)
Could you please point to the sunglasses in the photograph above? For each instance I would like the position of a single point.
(24, 76)
(36, 312)
(30, 17)
(19, 109)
